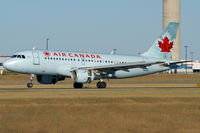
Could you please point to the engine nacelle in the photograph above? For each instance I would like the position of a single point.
(49, 79)
(82, 76)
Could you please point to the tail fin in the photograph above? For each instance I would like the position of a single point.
(162, 48)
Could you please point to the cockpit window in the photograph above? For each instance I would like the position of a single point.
(18, 56)
(14, 56)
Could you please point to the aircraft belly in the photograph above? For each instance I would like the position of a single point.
(138, 72)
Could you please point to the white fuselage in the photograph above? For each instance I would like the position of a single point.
(42, 62)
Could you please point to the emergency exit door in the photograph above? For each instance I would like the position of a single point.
(36, 58)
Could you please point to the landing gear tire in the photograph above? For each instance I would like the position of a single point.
(78, 85)
(29, 85)
(101, 85)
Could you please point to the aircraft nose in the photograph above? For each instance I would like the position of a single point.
(7, 64)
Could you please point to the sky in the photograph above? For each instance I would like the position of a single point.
(131, 26)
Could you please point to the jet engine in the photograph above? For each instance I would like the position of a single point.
(49, 79)
(82, 76)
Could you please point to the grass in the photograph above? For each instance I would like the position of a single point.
(100, 111)
(10, 73)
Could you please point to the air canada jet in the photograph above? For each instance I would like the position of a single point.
(53, 66)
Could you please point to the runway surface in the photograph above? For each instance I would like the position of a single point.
(14, 89)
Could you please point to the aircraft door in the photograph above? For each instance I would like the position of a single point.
(83, 61)
(36, 58)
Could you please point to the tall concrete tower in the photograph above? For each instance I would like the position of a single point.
(171, 13)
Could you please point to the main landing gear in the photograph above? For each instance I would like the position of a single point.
(30, 85)
(101, 84)
(78, 85)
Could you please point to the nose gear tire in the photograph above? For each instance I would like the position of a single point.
(30, 85)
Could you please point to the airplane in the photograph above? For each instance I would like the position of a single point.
(52, 66)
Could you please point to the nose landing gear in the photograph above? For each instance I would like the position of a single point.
(30, 85)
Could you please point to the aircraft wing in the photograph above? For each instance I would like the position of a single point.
(123, 66)
(175, 63)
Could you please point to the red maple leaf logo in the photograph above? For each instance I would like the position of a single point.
(46, 53)
(165, 46)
